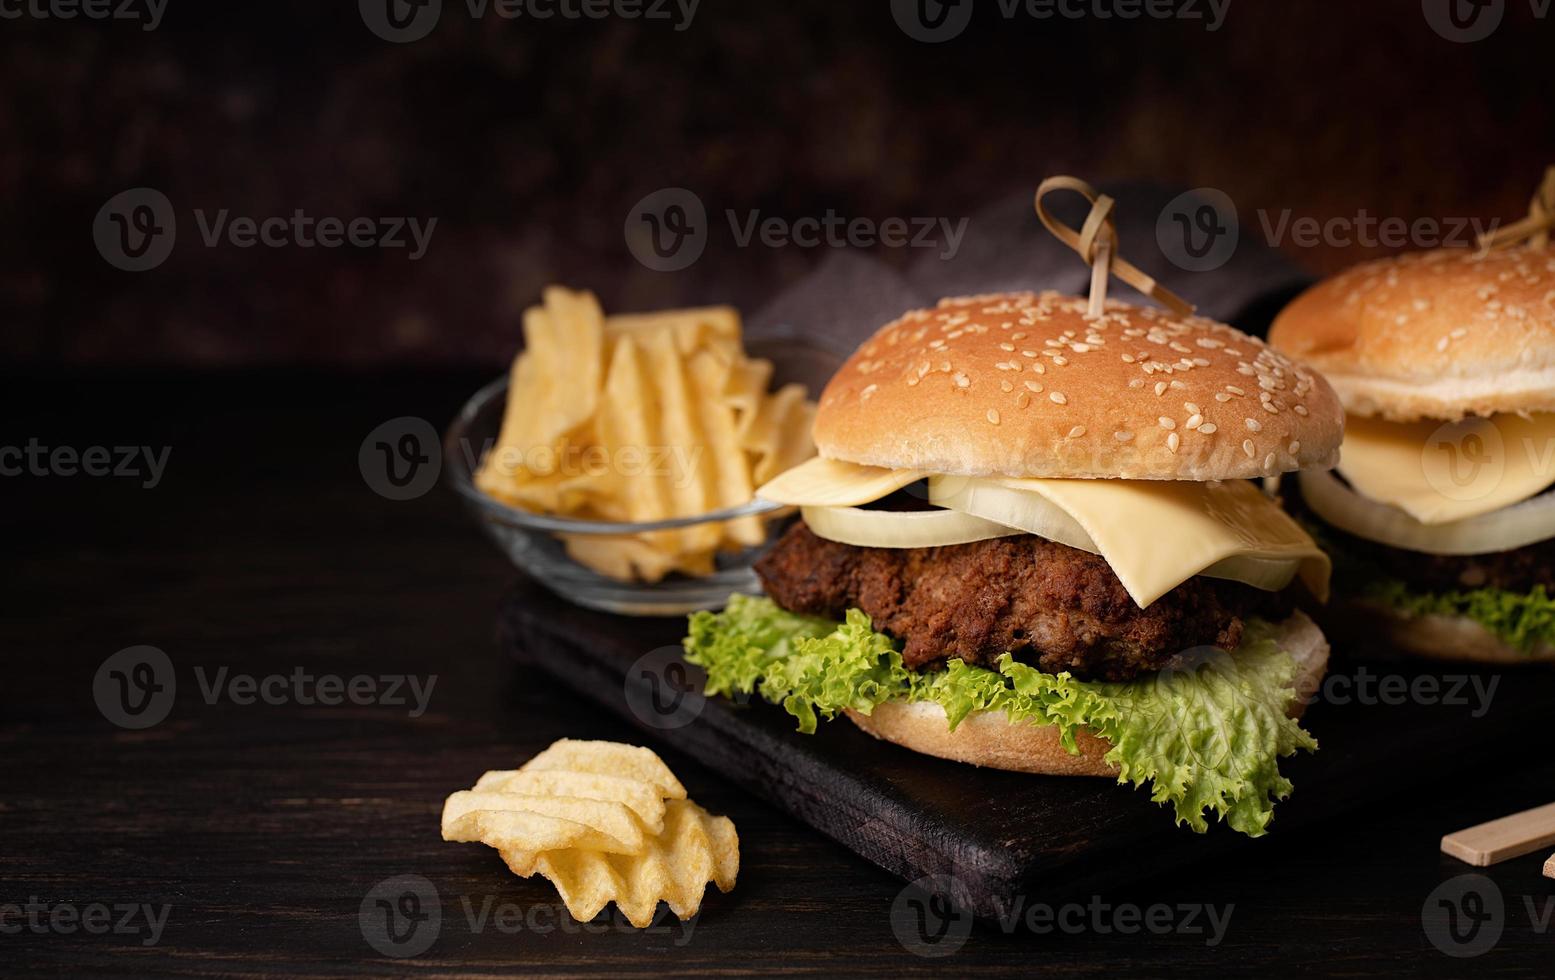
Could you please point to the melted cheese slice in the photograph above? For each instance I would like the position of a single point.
(1441, 472)
(1155, 534)
(833, 483)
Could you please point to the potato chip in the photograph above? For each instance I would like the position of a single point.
(695, 848)
(610, 759)
(538, 823)
(604, 822)
(643, 798)
(640, 418)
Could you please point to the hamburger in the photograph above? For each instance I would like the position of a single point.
(1439, 516)
(1030, 541)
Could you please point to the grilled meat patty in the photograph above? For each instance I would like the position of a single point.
(1050, 605)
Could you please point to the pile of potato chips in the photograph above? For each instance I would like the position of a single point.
(605, 822)
(641, 418)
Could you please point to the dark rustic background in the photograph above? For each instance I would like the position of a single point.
(531, 141)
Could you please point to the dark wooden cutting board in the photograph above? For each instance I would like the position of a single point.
(988, 836)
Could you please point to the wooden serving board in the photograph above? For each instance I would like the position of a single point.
(990, 836)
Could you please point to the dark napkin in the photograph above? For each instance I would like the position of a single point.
(1005, 247)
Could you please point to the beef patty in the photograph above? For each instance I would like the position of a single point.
(1052, 606)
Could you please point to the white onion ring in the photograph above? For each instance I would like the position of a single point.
(900, 529)
(1035, 514)
(1500, 530)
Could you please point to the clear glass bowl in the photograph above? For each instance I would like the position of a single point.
(532, 543)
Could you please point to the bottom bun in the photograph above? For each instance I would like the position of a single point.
(1435, 636)
(987, 738)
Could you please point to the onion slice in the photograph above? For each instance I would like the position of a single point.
(1501, 530)
(1035, 514)
(900, 529)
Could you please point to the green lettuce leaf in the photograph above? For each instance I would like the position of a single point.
(1522, 620)
(1206, 739)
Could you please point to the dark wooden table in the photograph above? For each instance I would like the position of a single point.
(262, 829)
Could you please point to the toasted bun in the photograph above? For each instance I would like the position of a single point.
(986, 738)
(1025, 385)
(1432, 334)
(1433, 636)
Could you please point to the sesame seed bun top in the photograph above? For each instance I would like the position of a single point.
(1026, 385)
(1438, 334)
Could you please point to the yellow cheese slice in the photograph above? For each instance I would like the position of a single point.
(1157, 534)
(1439, 472)
(833, 483)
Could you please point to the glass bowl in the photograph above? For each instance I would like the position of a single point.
(531, 541)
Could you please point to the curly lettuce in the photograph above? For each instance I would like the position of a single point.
(1521, 620)
(1205, 739)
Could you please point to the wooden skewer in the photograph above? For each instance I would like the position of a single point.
(1503, 839)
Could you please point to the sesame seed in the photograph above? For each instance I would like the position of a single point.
(1160, 388)
(1028, 353)
(1301, 410)
(1253, 425)
(1006, 386)
(1295, 446)
(962, 381)
(1177, 385)
(1194, 421)
(1268, 462)
(1060, 361)
(1006, 346)
(1081, 348)
(993, 416)
(1235, 390)
(1249, 448)
(1271, 408)
(1221, 396)
(1191, 407)
(1033, 386)
(1058, 398)
(1077, 432)
(1039, 369)
(1022, 400)
(870, 390)
(1128, 358)
(1173, 441)
(1166, 423)
(1123, 436)
(1208, 428)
